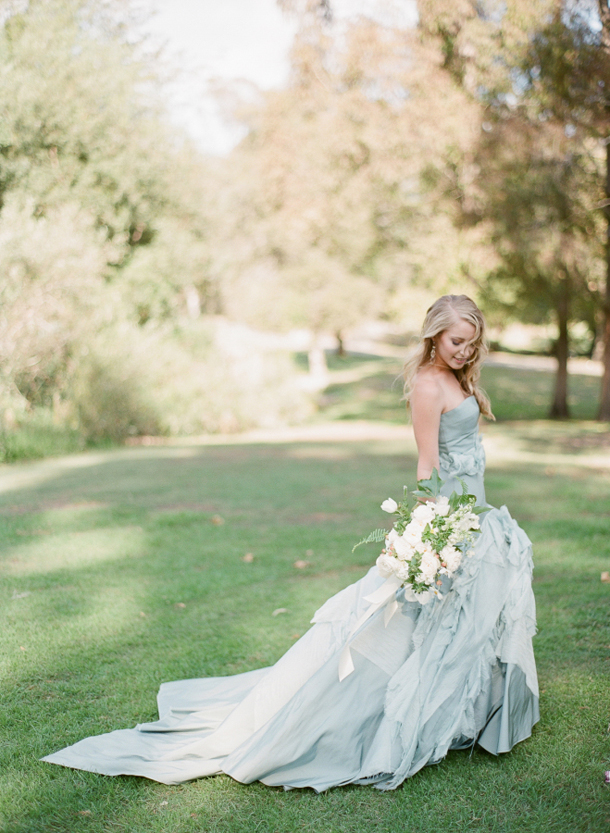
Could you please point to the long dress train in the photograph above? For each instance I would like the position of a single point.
(425, 680)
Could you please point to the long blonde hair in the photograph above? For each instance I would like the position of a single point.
(441, 315)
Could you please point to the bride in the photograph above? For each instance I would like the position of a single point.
(360, 699)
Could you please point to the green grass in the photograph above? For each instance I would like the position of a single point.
(527, 394)
(369, 387)
(36, 436)
(117, 576)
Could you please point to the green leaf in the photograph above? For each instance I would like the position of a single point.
(376, 536)
(463, 485)
(422, 493)
(433, 485)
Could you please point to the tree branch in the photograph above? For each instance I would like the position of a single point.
(604, 16)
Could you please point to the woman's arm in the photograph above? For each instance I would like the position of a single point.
(427, 402)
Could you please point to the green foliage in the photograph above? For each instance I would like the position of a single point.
(374, 537)
(112, 393)
(104, 256)
(431, 487)
(38, 435)
(207, 377)
(541, 197)
(80, 121)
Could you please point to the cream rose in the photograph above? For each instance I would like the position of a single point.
(385, 565)
(430, 565)
(451, 556)
(424, 513)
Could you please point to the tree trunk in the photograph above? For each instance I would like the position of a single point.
(318, 368)
(604, 403)
(340, 345)
(193, 301)
(559, 408)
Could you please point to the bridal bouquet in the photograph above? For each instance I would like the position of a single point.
(428, 540)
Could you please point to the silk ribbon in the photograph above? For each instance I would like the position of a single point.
(380, 597)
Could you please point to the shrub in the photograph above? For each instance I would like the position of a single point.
(209, 376)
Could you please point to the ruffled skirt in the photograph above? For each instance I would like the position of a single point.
(425, 680)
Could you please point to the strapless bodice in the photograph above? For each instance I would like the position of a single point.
(461, 452)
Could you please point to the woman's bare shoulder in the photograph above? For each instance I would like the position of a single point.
(427, 396)
(427, 385)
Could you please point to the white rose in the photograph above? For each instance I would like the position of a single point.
(385, 565)
(391, 538)
(403, 549)
(396, 544)
(430, 566)
(451, 556)
(424, 513)
(403, 571)
(426, 548)
(412, 534)
(389, 505)
(442, 506)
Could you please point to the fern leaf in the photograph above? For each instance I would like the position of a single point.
(376, 536)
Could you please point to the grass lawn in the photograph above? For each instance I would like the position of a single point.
(122, 569)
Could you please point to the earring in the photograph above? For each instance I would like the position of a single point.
(432, 353)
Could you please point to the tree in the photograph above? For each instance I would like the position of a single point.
(542, 72)
(330, 224)
(89, 180)
(79, 119)
(539, 196)
(567, 67)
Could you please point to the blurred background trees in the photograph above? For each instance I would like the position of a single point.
(329, 205)
(541, 73)
(104, 249)
(142, 283)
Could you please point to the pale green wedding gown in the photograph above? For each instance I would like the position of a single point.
(432, 678)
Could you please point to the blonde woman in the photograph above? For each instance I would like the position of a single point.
(440, 377)
(375, 690)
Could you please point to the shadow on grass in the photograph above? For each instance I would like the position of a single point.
(550, 436)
